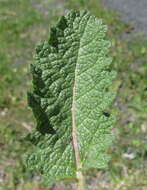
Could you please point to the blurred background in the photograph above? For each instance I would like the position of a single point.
(23, 24)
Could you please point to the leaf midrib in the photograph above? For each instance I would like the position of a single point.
(73, 111)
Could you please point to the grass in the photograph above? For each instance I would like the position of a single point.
(22, 25)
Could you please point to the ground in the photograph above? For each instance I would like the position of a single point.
(132, 11)
(23, 24)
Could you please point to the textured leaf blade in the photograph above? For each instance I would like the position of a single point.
(71, 78)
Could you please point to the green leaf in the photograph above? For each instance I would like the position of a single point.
(71, 95)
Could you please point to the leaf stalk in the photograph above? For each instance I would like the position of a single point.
(81, 181)
(80, 176)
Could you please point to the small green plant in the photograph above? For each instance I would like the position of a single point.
(71, 95)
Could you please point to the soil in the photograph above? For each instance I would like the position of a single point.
(132, 11)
